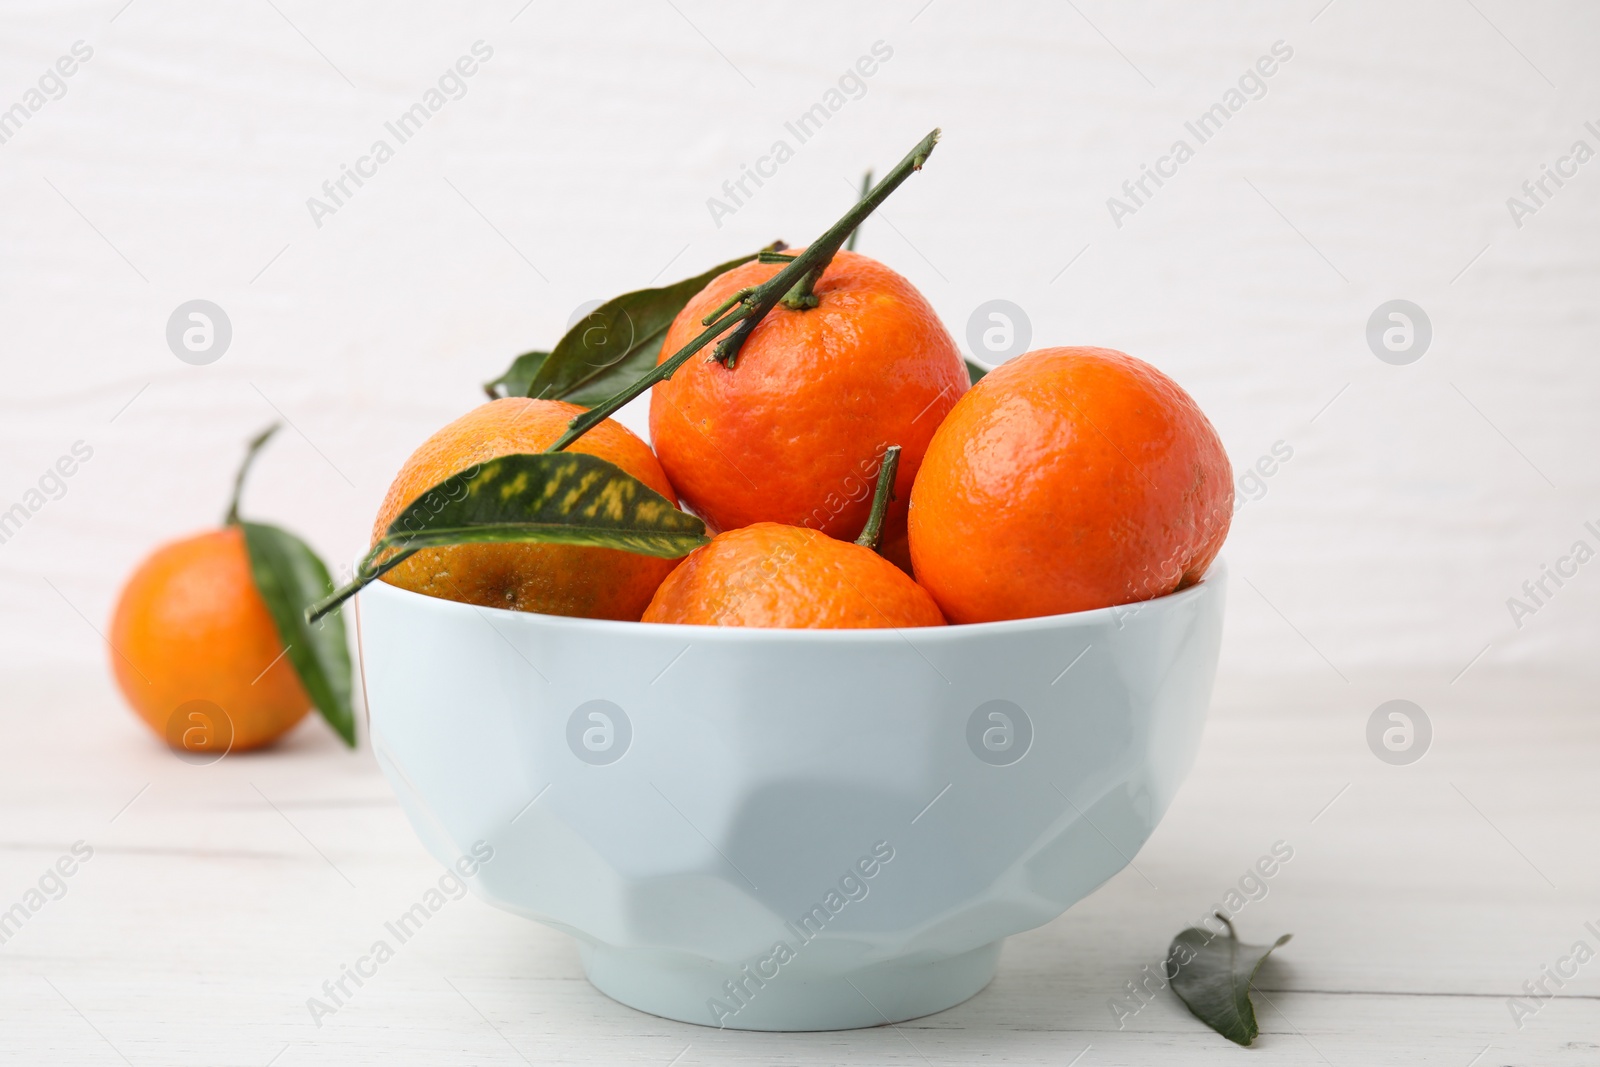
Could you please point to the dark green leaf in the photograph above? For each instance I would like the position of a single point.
(1212, 973)
(976, 370)
(567, 498)
(608, 348)
(291, 577)
(518, 376)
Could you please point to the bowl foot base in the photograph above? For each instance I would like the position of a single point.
(691, 991)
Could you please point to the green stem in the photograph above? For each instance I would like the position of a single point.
(798, 296)
(880, 499)
(602, 411)
(723, 308)
(366, 574)
(801, 297)
(866, 183)
(753, 307)
(232, 517)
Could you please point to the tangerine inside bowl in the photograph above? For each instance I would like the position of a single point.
(787, 829)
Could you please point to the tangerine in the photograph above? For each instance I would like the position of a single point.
(598, 583)
(775, 575)
(190, 629)
(795, 430)
(1068, 479)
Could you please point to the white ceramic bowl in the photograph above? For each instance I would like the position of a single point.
(787, 829)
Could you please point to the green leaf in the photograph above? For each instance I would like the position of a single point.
(568, 498)
(976, 370)
(515, 381)
(607, 349)
(1212, 974)
(291, 577)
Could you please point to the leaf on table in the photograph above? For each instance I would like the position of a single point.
(608, 349)
(1212, 974)
(290, 577)
(976, 370)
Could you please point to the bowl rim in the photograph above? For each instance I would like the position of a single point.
(1212, 582)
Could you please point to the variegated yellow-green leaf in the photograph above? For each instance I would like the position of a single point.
(568, 498)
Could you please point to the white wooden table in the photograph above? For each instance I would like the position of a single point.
(219, 899)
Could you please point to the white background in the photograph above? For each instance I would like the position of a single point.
(578, 165)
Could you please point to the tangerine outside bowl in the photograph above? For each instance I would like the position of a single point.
(787, 829)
